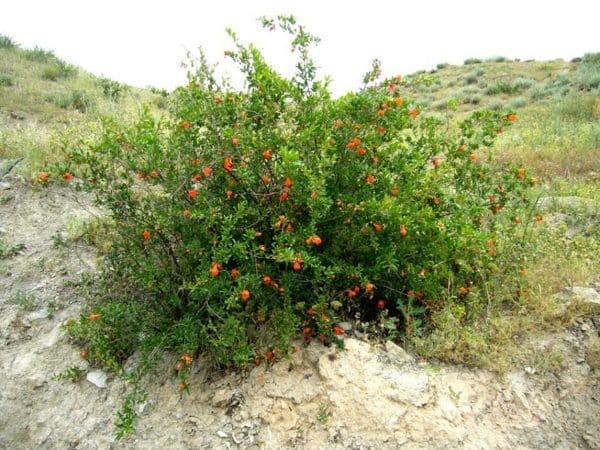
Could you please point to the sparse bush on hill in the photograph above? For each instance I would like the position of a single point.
(587, 76)
(502, 87)
(111, 89)
(7, 42)
(522, 83)
(76, 99)
(495, 105)
(517, 103)
(441, 66)
(39, 54)
(6, 79)
(472, 61)
(583, 108)
(58, 69)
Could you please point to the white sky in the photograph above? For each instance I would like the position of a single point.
(144, 42)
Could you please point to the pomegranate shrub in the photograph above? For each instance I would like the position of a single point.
(251, 217)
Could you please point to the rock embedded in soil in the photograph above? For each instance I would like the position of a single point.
(97, 378)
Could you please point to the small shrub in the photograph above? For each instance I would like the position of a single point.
(591, 59)
(498, 59)
(161, 102)
(8, 250)
(58, 69)
(577, 59)
(502, 87)
(517, 103)
(6, 79)
(469, 95)
(72, 374)
(496, 106)
(440, 105)
(472, 61)
(111, 89)
(471, 78)
(474, 99)
(587, 76)
(581, 108)
(27, 302)
(522, 83)
(60, 99)
(40, 55)
(76, 99)
(7, 42)
(81, 101)
(159, 91)
(538, 92)
(441, 66)
(595, 136)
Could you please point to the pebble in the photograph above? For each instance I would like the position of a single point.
(5, 186)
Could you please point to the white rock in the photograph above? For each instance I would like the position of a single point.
(97, 378)
(52, 337)
(397, 354)
(586, 294)
(346, 326)
(222, 434)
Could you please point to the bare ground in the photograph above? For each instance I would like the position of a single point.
(364, 397)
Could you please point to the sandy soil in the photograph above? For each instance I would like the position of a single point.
(364, 397)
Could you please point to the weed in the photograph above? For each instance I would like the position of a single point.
(39, 54)
(496, 105)
(27, 302)
(76, 99)
(6, 79)
(72, 374)
(587, 76)
(502, 87)
(517, 103)
(471, 78)
(522, 83)
(454, 395)
(8, 250)
(581, 108)
(58, 69)
(7, 42)
(323, 413)
(538, 93)
(111, 89)
(127, 416)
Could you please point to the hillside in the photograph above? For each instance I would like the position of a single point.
(45, 100)
(527, 379)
